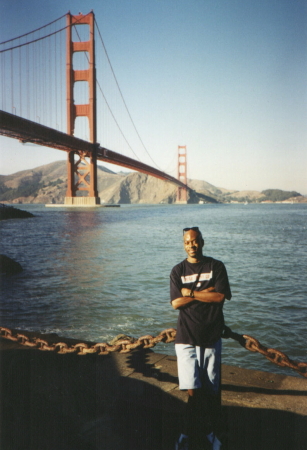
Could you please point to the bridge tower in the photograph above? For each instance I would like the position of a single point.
(82, 171)
(182, 195)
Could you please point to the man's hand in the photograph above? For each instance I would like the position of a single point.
(186, 292)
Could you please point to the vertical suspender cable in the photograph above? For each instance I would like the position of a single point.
(2, 78)
(3, 83)
(31, 80)
(49, 78)
(42, 77)
(60, 79)
(36, 78)
(11, 79)
(29, 83)
(55, 78)
(2, 91)
(39, 81)
(27, 87)
(20, 83)
(34, 81)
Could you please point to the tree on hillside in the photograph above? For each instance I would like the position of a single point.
(277, 195)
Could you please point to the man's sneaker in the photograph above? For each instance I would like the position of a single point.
(182, 443)
(216, 444)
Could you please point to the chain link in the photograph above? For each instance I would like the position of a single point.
(275, 356)
(148, 341)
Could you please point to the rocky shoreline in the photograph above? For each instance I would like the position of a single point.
(7, 265)
(9, 212)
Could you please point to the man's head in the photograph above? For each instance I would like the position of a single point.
(193, 243)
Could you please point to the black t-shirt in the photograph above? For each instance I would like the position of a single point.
(200, 323)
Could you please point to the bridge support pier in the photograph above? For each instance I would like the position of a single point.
(82, 201)
(81, 176)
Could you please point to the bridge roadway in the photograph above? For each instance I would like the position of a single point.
(27, 131)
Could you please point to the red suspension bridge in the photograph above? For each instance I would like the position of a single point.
(56, 64)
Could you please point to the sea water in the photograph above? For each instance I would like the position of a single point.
(91, 274)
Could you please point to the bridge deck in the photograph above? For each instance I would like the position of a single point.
(27, 131)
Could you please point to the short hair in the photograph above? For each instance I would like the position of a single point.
(194, 229)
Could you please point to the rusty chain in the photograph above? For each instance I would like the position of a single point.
(121, 346)
(275, 356)
(148, 341)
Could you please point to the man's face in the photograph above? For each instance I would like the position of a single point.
(193, 244)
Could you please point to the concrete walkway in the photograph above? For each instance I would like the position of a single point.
(132, 401)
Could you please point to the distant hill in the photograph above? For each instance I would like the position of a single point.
(276, 195)
(48, 183)
(242, 196)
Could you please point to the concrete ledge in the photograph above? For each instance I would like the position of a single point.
(256, 389)
(132, 401)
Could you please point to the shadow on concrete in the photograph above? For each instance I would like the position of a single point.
(143, 363)
(259, 390)
(71, 402)
(264, 429)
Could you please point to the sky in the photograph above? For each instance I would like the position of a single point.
(225, 78)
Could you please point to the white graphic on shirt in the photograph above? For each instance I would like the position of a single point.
(192, 278)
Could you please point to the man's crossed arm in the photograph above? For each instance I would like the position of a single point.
(207, 296)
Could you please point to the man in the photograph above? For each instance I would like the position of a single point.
(198, 288)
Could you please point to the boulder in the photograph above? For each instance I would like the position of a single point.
(8, 266)
(8, 212)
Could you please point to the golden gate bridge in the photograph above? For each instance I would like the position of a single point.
(55, 68)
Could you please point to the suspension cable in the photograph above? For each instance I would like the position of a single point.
(123, 98)
(171, 166)
(109, 108)
(117, 124)
(41, 38)
(33, 31)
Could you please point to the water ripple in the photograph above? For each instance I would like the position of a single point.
(97, 273)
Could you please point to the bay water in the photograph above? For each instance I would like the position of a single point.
(91, 274)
